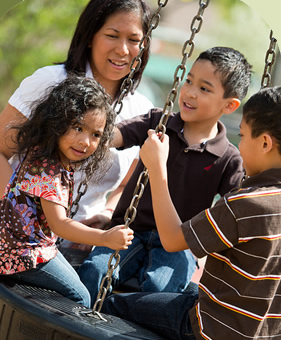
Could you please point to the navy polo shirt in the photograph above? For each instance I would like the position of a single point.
(195, 173)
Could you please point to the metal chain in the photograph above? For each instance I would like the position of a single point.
(81, 190)
(269, 61)
(125, 88)
(143, 178)
(136, 62)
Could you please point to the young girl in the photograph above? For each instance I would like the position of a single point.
(69, 129)
(104, 43)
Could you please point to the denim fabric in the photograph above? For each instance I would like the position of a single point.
(156, 269)
(57, 275)
(164, 313)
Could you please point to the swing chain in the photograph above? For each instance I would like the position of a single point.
(143, 177)
(125, 88)
(269, 61)
(144, 44)
(81, 190)
(187, 51)
(108, 277)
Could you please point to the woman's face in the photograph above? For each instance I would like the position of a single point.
(113, 48)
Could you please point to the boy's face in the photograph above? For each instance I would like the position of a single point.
(250, 150)
(201, 97)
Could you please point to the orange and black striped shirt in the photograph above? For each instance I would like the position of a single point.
(240, 291)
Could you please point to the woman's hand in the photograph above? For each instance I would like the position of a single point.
(99, 221)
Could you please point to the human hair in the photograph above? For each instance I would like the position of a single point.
(262, 112)
(63, 106)
(233, 68)
(91, 21)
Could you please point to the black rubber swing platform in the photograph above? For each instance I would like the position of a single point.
(32, 313)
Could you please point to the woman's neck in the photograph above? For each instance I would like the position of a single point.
(111, 86)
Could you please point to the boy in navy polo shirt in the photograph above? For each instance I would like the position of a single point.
(239, 292)
(201, 164)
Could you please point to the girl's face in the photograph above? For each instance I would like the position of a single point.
(113, 48)
(82, 139)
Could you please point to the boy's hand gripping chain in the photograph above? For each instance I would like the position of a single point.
(131, 211)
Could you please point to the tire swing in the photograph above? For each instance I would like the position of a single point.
(29, 312)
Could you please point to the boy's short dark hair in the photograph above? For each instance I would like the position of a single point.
(233, 68)
(262, 112)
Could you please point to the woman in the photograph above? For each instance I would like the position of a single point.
(104, 44)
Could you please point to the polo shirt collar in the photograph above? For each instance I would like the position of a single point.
(216, 146)
(266, 178)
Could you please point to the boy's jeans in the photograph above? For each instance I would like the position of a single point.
(157, 270)
(57, 275)
(164, 313)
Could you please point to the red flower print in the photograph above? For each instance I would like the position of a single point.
(25, 185)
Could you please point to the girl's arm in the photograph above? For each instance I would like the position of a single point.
(102, 220)
(9, 116)
(116, 238)
(154, 155)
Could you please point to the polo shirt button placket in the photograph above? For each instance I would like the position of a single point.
(186, 150)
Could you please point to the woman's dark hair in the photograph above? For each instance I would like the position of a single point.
(90, 22)
(262, 112)
(64, 106)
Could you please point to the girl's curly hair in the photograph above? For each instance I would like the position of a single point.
(63, 106)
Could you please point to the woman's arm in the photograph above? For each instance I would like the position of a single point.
(116, 194)
(9, 116)
(154, 154)
(116, 238)
(117, 141)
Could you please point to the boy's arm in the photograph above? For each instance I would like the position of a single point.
(154, 154)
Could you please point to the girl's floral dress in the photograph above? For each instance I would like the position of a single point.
(25, 237)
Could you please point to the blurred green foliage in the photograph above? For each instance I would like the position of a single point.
(33, 34)
(36, 33)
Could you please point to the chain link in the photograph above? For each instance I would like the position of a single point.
(169, 104)
(269, 61)
(144, 44)
(81, 190)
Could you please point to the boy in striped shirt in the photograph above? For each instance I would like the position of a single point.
(240, 291)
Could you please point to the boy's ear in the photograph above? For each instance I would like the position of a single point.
(231, 105)
(268, 143)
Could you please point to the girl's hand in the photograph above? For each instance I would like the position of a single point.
(118, 238)
(154, 152)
